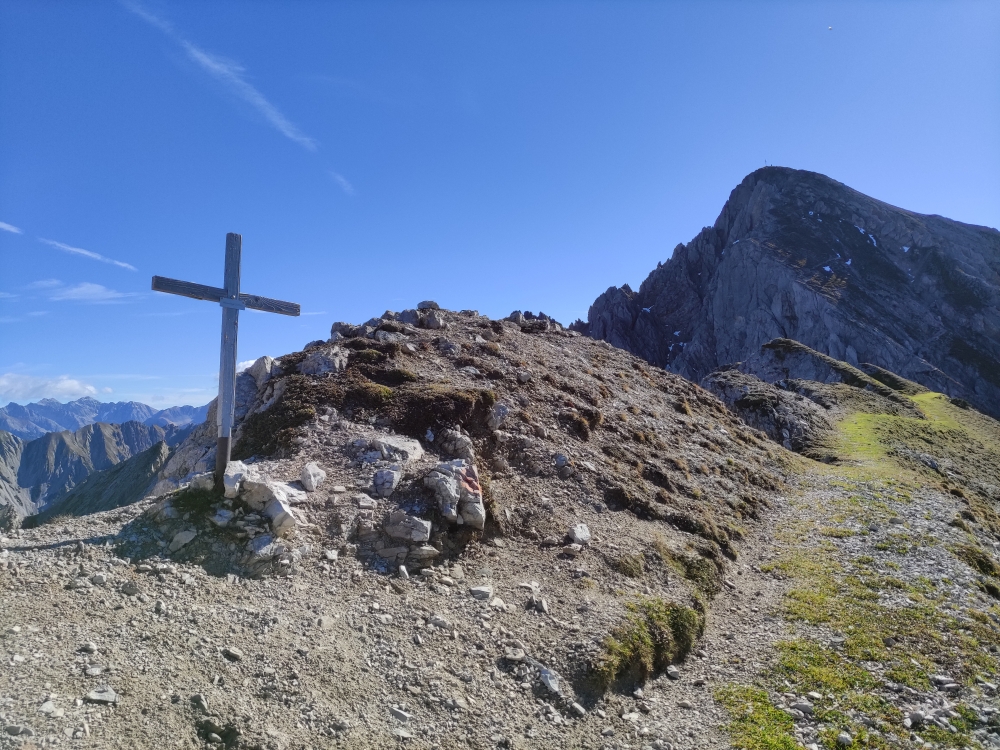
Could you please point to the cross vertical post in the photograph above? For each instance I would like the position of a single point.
(231, 306)
(232, 300)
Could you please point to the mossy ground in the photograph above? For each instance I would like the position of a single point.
(655, 634)
(880, 625)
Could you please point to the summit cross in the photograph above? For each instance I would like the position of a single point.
(232, 301)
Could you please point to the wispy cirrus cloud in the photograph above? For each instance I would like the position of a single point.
(10, 228)
(87, 254)
(20, 387)
(342, 181)
(45, 284)
(229, 73)
(88, 292)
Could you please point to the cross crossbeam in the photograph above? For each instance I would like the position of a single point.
(232, 301)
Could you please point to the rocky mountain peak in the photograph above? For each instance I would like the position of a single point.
(794, 254)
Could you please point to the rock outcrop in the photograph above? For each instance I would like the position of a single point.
(800, 256)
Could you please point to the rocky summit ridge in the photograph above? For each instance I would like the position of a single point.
(797, 255)
(445, 531)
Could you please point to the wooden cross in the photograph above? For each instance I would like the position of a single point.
(232, 301)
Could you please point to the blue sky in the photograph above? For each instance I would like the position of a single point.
(494, 156)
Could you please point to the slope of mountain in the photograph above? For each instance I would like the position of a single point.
(34, 473)
(797, 255)
(537, 526)
(48, 415)
(123, 483)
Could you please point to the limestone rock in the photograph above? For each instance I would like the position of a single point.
(457, 490)
(435, 321)
(279, 512)
(498, 415)
(398, 448)
(205, 481)
(454, 443)
(386, 480)
(262, 370)
(580, 534)
(312, 476)
(235, 472)
(400, 525)
(322, 361)
(103, 694)
(428, 305)
(181, 538)
(222, 517)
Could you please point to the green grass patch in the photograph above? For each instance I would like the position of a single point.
(755, 723)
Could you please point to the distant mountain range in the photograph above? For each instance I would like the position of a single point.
(35, 474)
(32, 421)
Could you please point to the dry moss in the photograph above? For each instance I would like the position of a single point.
(632, 566)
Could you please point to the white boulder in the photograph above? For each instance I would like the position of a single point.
(279, 512)
(312, 476)
(386, 480)
(580, 533)
(235, 471)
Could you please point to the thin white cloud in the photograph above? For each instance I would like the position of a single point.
(229, 73)
(342, 181)
(241, 366)
(86, 253)
(314, 313)
(18, 387)
(10, 228)
(87, 292)
(7, 295)
(8, 319)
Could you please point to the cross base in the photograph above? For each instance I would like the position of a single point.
(222, 452)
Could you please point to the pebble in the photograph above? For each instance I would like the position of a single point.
(482, 592)
(685, 704)
(232, 653)
(673, 672)
(103, 694)
(844, 739)
(130, 588)
(400, 715)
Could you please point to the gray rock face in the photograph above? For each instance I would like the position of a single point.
(798, 255)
